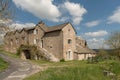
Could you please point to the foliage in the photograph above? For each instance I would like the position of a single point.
(114, 42)
(77, 70)
(33, 50)
(6, 10)
(103, 55)
(62, 60)
(3, 64)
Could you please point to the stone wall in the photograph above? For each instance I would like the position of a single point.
(52, 42)
(68, 42)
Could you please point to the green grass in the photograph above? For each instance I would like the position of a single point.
(3, 64)
(8, 53)
(76, 70)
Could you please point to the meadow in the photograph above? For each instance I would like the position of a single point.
(77, 70)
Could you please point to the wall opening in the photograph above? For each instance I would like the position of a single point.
(41, 43)
(69, 55)
(27, 54)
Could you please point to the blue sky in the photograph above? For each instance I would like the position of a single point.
(94, 20)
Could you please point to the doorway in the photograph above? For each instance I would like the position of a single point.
(27, 54)
(69, 55)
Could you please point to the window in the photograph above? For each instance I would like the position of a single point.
(68, 29)
(69, 41)
(69, 54)
(35, 41)
(11, 42)
(17, 41)
(41, 43)
(35, 31)
(85, 43)
(23, 38)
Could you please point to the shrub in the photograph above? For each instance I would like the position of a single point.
(62, 60)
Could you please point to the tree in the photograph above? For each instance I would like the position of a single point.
(6, 16)
(6, 11)
(114, 42)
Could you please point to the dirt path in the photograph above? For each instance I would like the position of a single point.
(18, 69)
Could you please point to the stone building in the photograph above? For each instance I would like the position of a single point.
(58, 42)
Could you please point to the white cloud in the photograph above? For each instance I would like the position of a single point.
(96, 34)
(76, 11)
(64, 19)
(95, 40)
(92, 23)
(44, 9)
(115, 18)
(97, 43)
(21, 25)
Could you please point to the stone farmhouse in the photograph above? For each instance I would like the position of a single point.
(57, 42)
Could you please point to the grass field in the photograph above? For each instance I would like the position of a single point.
(3, 64)
(76, 70)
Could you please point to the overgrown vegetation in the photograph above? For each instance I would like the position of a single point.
(34, 52)
(103, 55)
(78, 70)
(105, 66)
(3, 64)
(114, 43)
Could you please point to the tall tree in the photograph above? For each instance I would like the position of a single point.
(114, 42)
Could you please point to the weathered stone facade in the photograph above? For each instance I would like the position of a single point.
(59, 42)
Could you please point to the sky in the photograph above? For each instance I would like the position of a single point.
(94, 20)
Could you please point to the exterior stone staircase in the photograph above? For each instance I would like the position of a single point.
(47, 55)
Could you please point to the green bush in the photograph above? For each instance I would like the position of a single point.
(62, 60)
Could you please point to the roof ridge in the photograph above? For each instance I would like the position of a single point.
(56, 27)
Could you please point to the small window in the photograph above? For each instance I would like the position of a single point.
(35, 41)
(11, 42)
(41, 43)
(69, 41)
(17, 41)
(68, 29)
(50, 46)
(35, 31)
(23, 38)
(85, 43)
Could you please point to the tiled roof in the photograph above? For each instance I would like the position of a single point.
(45, 28)
(84, 50)
(57, 27)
